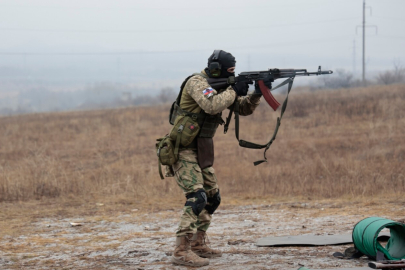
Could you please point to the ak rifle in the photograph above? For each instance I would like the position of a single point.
(264, 80)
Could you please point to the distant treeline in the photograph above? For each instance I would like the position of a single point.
(42, 98)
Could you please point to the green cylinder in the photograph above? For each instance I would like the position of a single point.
(365, 235)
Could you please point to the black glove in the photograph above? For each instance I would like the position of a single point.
(257, 89)
(241, 88)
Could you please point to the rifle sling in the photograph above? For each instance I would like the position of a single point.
(160, 170)
(160, 164)
(229, 118)
(251, 145)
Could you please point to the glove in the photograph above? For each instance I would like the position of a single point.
(257, 89)
(241, 88)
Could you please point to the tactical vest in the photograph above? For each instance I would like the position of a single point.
(208, 123)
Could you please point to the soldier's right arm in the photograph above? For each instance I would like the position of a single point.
(214, 104)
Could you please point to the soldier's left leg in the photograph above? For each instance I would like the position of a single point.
(213, 199)
(198, 244)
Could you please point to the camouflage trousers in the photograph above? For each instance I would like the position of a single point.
(191, 178)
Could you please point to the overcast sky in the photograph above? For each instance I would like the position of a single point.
(130, 40)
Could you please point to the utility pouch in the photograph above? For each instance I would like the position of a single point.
(185, 130)
(205, 152)
(165, 152)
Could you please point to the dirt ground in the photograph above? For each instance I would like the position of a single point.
(125, 237)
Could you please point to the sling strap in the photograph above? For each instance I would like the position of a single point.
(251, 145)
(178, 138)
(159, 163)
(229, 118)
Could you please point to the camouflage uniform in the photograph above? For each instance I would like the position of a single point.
(189, 176)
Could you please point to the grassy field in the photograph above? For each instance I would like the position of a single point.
(331, 144)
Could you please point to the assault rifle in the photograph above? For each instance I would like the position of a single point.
(264, 80)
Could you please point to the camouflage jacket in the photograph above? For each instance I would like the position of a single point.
(193, 98)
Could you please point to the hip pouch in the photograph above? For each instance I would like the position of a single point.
(165, 153)
(183, 133)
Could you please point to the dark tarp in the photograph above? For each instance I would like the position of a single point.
(310, 240)
(357, 268)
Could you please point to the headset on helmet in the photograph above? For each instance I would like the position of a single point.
(215, 67)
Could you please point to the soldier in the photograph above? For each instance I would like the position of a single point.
(193, 171)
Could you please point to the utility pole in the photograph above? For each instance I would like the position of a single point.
(364, 42)
(364, 39)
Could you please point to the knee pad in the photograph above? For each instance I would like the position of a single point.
(214, 202)
(198, 201)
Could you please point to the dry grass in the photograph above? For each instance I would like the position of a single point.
(345, 143)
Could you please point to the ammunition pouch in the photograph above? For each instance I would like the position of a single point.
(185, 130)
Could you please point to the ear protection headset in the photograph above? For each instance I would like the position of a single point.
(215, 67)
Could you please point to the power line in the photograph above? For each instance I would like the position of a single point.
(97, 8)
(398, 37)
(393, 19)
(171, 30)
(284, 44)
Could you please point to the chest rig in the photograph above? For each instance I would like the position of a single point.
(208, 125)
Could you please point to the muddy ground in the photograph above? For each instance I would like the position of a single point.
(139, 239)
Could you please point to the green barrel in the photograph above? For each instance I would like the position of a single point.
(365, 235)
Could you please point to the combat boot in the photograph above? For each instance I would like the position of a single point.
(199, 246)
(184, 256)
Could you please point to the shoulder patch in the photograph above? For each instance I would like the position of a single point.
(208, 92)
